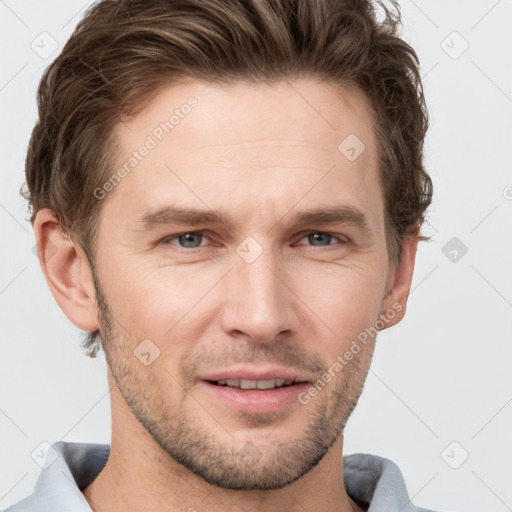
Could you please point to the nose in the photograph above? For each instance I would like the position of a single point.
(258, 303)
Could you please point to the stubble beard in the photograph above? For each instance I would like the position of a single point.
(253, 466)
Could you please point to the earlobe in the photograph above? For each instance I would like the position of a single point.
(66, 270)
(394, 303)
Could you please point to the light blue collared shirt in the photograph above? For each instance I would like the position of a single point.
(371, 481)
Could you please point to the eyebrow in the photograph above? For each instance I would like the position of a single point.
(188, 216)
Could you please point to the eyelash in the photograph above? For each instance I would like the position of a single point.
(167, 240)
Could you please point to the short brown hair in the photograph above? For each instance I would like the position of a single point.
(124, 51)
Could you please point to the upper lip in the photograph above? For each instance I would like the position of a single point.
(259, 373)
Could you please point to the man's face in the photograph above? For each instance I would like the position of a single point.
(255, 297)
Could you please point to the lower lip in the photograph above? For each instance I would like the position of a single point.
(256, 400)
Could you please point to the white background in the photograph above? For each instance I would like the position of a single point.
(441, 375)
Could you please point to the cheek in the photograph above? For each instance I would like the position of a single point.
(150, 301)
(345, 300)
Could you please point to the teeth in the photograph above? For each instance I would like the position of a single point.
(254, 384)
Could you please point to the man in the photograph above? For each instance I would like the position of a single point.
(228, 195)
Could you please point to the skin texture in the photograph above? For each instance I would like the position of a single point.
(259, 154)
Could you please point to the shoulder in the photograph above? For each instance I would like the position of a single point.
(69, 467)
(378, 483)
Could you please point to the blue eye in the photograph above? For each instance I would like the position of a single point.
(319, 236)
(186, 240)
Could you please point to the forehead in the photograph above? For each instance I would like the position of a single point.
(249, 143)
(304, 110)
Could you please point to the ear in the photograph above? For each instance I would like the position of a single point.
(394, 303)
(66, 270)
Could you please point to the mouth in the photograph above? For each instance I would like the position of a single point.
(253, 384)
(255, 393)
